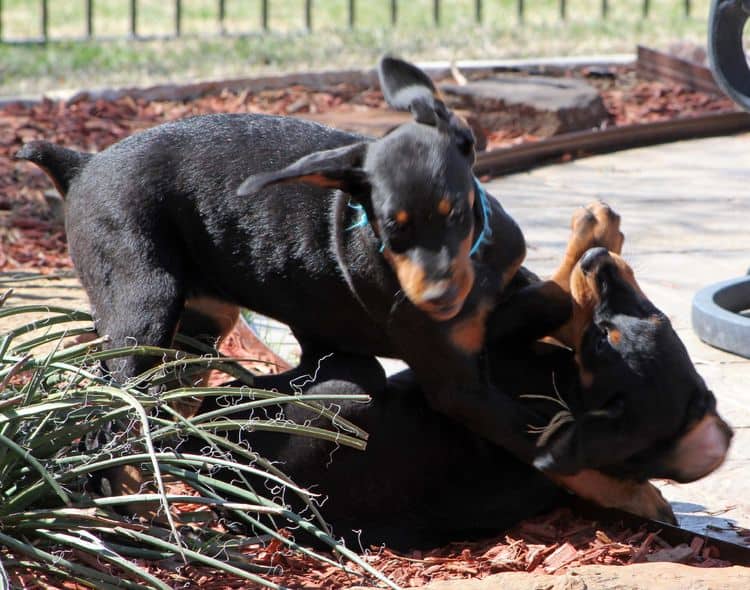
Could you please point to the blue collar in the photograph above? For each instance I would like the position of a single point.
(484, 236)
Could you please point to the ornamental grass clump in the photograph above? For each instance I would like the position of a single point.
(64, 426)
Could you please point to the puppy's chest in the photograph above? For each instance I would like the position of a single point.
(467, 332)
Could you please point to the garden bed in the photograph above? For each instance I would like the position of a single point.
(31, 238)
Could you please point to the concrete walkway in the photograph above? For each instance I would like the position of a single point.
(684, 214)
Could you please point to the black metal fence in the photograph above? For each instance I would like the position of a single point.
(264, 11)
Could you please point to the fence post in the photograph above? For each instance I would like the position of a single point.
(394, 12)
(521, 11)
(133, 18)
(436, 11)
(89, 19)
(687, 8)
(478, 11)
(222, 16)
(605, 8)
(646, 8)
(264, 14)
(45, 20)
(177, 17)
(352, 13)
(563, 10)
(308, 15)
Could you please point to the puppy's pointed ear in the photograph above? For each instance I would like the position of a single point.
(339, 168)
(407, 88)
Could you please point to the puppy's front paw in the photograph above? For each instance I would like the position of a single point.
(641, 499)
(648, 502)
(597, 224)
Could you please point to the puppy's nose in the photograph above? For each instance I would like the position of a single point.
(591, 258)
(702, 449)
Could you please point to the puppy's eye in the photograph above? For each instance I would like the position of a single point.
(602, 342)
(398, 235)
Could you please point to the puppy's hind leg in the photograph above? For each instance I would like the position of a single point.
(131, 311)
(140, 311)
(208, 321)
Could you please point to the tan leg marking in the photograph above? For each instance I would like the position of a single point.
(641, 499)
(597, 224)
(222, 317)
(468, 334)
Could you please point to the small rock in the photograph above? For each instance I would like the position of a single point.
(540, 105)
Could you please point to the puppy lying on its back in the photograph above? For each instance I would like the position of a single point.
(626, 405)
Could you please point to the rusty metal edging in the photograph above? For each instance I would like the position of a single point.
(585, 143)
(733, 552)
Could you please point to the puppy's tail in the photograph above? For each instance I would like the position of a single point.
(60, 164)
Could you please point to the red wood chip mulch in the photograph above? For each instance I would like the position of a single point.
(550, 544)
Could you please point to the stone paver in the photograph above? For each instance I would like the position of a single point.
(683, 210)
(651, 576)
(664, 576)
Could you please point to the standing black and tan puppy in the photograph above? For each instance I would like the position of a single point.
(363, 247)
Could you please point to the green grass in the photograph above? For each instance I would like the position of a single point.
(202, 54)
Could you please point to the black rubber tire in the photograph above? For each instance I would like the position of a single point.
(716, 317)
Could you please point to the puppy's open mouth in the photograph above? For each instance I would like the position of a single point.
(444, 312)
(442, 300)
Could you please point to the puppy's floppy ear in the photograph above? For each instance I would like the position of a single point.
(407, 88)
(336, 168)
(592, 441)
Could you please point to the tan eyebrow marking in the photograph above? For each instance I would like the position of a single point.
(402, 217)
(444, 206)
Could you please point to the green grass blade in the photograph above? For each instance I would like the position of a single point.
(288, 428)
(200, 558)
(33, 343)
(38, 467)
(97, 578)
(85, 541)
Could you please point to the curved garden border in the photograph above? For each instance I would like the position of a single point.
(716, 317)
